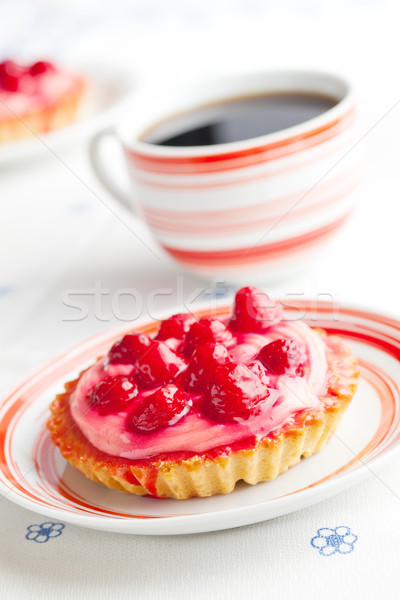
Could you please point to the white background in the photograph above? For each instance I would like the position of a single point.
(56, 236)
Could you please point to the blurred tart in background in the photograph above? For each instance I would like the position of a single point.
(37, 98)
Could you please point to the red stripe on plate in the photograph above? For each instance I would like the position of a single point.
(52, 489)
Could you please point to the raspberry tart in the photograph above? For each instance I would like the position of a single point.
(37, 98)
(206, 402)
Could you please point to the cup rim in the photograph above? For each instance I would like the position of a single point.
(344, 104)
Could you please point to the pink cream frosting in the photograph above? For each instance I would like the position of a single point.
(195, 432)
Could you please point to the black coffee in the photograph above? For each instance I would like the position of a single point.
(237, 119)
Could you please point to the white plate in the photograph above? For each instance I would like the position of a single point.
(109, 90)
(33, 474)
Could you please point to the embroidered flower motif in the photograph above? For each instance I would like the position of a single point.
(45, 531)
(329, 541)
(6, 289)
(221, 291)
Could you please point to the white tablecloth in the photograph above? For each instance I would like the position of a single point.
(57, 238)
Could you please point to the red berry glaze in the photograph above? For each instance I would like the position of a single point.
(162, 409)
(158, 365)
(40, 67)
(283, 357)
(191, 364)
(128, 349)
(234, 393)
(112, 395)
(206, 358)
(175, 327)
(204, 331)
(10, 75)
(254, 311)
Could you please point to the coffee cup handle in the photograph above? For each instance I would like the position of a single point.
(102, 172)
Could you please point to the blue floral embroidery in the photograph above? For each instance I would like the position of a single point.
(329, 541)
(45, 531)
(221, 290)
(79, 207)
(6, 289)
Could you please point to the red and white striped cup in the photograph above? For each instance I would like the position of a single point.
(252, 210)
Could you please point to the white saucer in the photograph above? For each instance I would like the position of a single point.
(34, 475)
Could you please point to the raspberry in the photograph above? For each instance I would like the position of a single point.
(234, 393)
(159, 410)
(112, 395)
(283, 357)
(175, 327)
(254, 311)
(259, 370)
(202, 365)
(10, 75)
(127, 350)
(205, 331)
(40, 67)
(158, 365)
